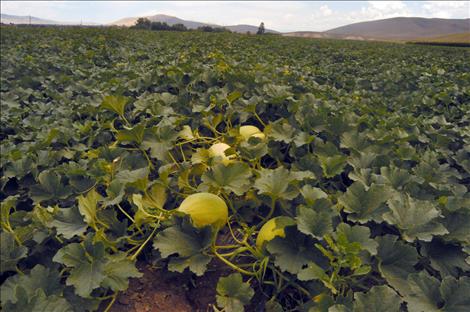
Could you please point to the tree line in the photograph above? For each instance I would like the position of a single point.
(145, 23)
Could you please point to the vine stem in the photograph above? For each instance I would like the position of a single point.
(231, 265)
(134, 256)
(259, 118)
(152, 167)
(111, 302)
(303, 290)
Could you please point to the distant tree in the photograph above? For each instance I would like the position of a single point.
(248, 32)
(160, 26)
(212, 29)
(143, 23)
(178, 27)
(261, 29)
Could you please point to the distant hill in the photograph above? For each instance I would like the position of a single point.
(25, 19)
(404, 28)
(171, 20)
(17, 19)
(320, 35)
(454, 38)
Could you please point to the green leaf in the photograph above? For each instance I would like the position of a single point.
(332, 165)
(188, 243)
(365, 204)
(314, 272)
(294, 251)
(455, 294)
(415, 219)
(134, 134)
(10, 252)
(115, 104)
(253, 148)
(132, 176)
(311, 194)
(233, 96)
(378, 299)
(88, 205)
(457, 225)
(38, 302)
(235, 177)
(278, 183)
(68, 222)
(40, 277)
(423, 294)
(281, 131)
(160, 141)
(396, 177)
(396, 261)
(233, 293)
(449, 259)
(118, 269)
(86, 263)
(358, 234)
(315, 222)
(49, 187)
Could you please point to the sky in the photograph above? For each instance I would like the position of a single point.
(278, 15)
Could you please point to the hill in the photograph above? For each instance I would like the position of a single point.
(324, 35)
(454, 38)
(171, 20)
(404, 28)
(17, 19)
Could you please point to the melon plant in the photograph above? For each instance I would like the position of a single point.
(218, 150)
(271, 229)
(249, 131)
(205, 209)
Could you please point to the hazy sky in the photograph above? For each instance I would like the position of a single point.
(278, 15)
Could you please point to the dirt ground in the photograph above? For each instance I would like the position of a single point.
(160, 291)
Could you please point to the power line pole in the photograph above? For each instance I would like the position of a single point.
(30, 20)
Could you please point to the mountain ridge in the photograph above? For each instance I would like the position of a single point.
(402, 28)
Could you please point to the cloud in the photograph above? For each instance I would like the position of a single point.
(325, 10)
(447, 9)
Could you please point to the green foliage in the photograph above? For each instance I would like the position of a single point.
(104, 132)
(233, 293)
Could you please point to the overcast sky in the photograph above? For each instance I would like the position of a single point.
(277, 15)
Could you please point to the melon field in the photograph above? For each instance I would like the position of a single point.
(285, 174)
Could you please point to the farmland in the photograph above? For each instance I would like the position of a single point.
(361, 158)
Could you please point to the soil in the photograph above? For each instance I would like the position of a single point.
(161, 291)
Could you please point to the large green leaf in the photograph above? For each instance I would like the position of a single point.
(294, 251)
(10, 252)
(233, 293)
(50, 187)
(415, 219)
(115, 104)
(234, 177)
(87, 266)
(317, 219)
(365, 204)
(358, 234)
(377, 299)
(423, 294)
(69, 222)
(88, 206)
(455, 294)
(396, 261)
(188, 243)
(278, 183)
